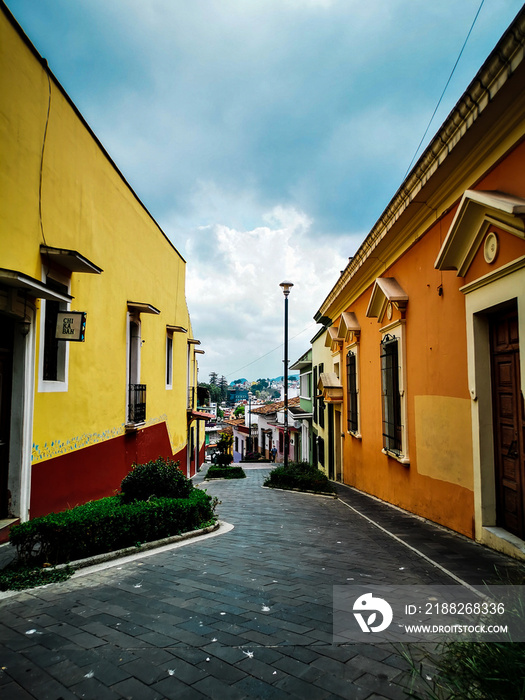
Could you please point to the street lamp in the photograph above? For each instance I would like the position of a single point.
(250, 448)
(286, 291)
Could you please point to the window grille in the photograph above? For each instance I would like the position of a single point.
(320, 450)
(137, 403)
(392, 428)
(351, 375)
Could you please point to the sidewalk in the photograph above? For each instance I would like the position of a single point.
(246, 614)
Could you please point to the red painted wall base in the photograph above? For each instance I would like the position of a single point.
(96, 471)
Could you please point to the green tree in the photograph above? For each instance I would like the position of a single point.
(239, 412)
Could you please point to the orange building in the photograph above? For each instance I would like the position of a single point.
(423, 326)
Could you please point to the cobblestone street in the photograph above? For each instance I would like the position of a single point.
(244, 614)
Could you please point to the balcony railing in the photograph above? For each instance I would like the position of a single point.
(192, 392)
(137, 403)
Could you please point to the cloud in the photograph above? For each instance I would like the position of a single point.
(265, 136)
(234, 295)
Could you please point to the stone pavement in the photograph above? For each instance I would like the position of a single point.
(246, 614)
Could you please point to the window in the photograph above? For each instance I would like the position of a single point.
(306, 385)
(169, 361)
(315, 395)
(351, 382)
(54, 354)
(321, 412)
(390, 386)
(320, 450)
(321, 400)
(136, 411)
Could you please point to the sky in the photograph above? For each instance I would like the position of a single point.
(266, 137)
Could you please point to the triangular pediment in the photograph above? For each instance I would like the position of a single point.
(348, 326)
(330, 387)
(332, 341)
(386, 290)
(477, 212)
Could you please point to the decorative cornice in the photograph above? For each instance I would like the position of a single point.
(499, 67)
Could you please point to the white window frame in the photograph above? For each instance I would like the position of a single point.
(132, 364)
(57, 385)
(305, 376)
(398, 330)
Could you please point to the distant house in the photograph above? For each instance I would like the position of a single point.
(240, 437)
(419, 364)
(237, 394)
(271, 429)
(304, 412)
(98, 363)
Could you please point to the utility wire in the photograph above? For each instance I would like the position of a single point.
(445, 88)
(230, 374)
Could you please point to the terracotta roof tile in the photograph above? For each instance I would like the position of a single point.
(274, 407)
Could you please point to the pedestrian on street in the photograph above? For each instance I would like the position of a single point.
(274, 452)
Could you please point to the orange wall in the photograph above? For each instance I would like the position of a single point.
(436, 365)
(440, 486)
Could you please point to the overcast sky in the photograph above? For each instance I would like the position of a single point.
(265, 136)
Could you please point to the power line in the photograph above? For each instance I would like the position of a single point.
(269, 352)
(445, 88)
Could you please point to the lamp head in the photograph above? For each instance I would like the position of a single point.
(286, 287)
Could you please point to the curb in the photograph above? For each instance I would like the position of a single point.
(118, 553)
(309, 493)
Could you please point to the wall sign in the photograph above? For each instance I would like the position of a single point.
(71, 325)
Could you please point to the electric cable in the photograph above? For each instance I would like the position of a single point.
(445, 88)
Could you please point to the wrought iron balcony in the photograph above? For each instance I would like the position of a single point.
(137, 403)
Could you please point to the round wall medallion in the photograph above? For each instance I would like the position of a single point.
(389, 310)
(490, 247)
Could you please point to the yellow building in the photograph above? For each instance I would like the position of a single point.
(80, 405)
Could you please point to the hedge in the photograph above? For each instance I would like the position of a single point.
(160, 477)
(215, 472)
(302, 476)
(107, 525)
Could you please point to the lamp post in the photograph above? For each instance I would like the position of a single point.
(250, 449)
(286, 291)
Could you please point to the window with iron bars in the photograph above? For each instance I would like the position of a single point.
(137, 403)
(392, 427)
(351, 376)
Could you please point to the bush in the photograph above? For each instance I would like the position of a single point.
(159, 477)
(223, 460)
(225, 473)
(254, 457)
(107, 525)
(300, 475)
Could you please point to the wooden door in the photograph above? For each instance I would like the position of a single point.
(509, 428)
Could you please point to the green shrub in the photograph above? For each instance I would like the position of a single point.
(107, 525)
(300, 475)
(225, 473)
(254, 457)
(468, 671)
(159, 477)
(223, 460)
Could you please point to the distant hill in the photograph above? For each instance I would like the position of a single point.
(292, 375)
